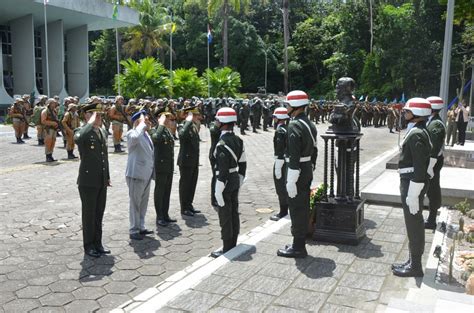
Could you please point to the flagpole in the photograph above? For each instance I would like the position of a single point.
(118, 60)
(208, 66)
(171, 48)
(46, 52)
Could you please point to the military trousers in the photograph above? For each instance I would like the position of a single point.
(299, 205)
(280, 188)
(187, 186)
(162, 194)
(93, 206)
(213, 181)
(229, 213)
(415, 224)
(451, 130)
(434, 188)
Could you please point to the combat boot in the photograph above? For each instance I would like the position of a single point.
(19, 140)
(25, 136)
(296, 250)
(40, 142)
(413, 269)
(430, 223)
(70, 155)
(227, 245)
(118, 148)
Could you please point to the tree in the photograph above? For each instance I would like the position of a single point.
(223, 82)
(103, 63)
(145, 78)
(187, 84)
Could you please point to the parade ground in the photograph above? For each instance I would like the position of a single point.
(43, 267)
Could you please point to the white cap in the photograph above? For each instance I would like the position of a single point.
(297, 98)
(436, 103)
(281, 113)
(226, 115)
(418, 106)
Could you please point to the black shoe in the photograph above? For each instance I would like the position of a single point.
(49, 158)
(277, 217)
(146, 232)
(136, 236)
(400, 265)
(195, 211)
(430, 225)
(187, 213)
(162, 223)
(290, 252)
(408, 271)
(25, 136)
(92, 252)
(216, 254)
(103, 250)
(170, 220)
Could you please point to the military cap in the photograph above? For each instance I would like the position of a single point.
(192, 109)
(93, 107)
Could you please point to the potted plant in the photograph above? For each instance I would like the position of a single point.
(316, 195)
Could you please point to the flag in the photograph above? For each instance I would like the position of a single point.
(402, 100)
(385, 101)
(209, 34)
(115, 12)
(361, 98)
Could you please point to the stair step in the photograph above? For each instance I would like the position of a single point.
(410, 306)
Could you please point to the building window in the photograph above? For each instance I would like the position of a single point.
(6, 55)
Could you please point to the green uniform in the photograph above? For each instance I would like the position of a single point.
(437, 132)
(188, 162)
(302, 153)
(92, 182)
(163, 142)
(413, 163)
(215, 134)
(279, 147)
(231, 166)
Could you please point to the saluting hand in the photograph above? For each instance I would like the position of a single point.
(189, 118)
(162, 120)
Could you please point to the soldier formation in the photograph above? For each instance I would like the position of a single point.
(159, 123)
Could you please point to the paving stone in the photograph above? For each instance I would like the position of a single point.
(6, 296)
(167, 309)
(264, 284)
(56, 299)
(80, 306)
(12, 285)
(112, 300)
(21, 305)
(282, 309)
(222, 310)
(218, 284)
(332, 308)
(119, 287)
(89, 293)
(64, 286)
(359, 281)
(246, 301)
(48, 309)
(195, 301)
(370, 268)
(390, 237)
(301, 299)
(32, 292)
(125, 275)
(354, 298)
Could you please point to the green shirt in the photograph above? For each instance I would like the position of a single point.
(437, 133)
(415, 153)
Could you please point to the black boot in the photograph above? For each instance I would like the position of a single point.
(296, 250)
(430, 223)
(227, 245)
(49, 158)
(18, 140)
(40, 142)
(414, 269)
(70, 155)
(118, 148)
(25, 136)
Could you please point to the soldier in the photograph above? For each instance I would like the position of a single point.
(50, 122)
(188, 160)
(67, 101)
(244, 114)
(231, 167)
(302, 153)
(215, 133)
(37, 119)
(70, 122)
(452, 127)
(256, 113)
(279, 168)
(93, 179)
(437, 132)
(28, 112)
(164, 166)
(376, 111)
(412, 165)
(118, 117)
(391, 118)
(17, 116)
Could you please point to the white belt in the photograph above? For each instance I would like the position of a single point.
(440, 153)
(303, 159)
(231, 170)
(406, 170)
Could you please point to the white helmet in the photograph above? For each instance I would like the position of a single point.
(418, 106)
(226, 115)
(436, 103)
(281, 113)
(297, 98)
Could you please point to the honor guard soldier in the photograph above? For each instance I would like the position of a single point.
(231, 167)
(188, 160)
(70, 122)
(437, 132)
(93, 179)
(164, 166)
(49, 120)
(279, 168)
(412, 166)
(301, 159)
(215, 133)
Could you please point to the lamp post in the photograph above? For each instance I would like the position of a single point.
(445, 69)
(266, 69)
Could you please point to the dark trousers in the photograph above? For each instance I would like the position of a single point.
(280, 188)
(187, 186)
(163, 183)
(415, 224)
(93, 206)
(434, 188)
(462, 132)
(213, 182)
(229, 213)
(299, 205)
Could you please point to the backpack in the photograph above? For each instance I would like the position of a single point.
(36, 117)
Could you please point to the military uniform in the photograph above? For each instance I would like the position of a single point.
(437, 132)
(244, 114)
(93, 179)
(215, 135)
(188, 162)
(70, 122)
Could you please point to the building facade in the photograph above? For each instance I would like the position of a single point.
(23, 38)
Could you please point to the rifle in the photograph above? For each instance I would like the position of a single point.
(55, 119)
(124, 116)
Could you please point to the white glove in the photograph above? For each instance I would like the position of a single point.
(414, 191)
(278, 166)
(218, 193)
(291, 180)
(430, 170)
(242, 180)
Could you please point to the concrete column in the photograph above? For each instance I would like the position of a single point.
(78, 61)
(23, 55)
(4, 96)
(55, 58)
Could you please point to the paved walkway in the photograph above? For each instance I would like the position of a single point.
(42, 265)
